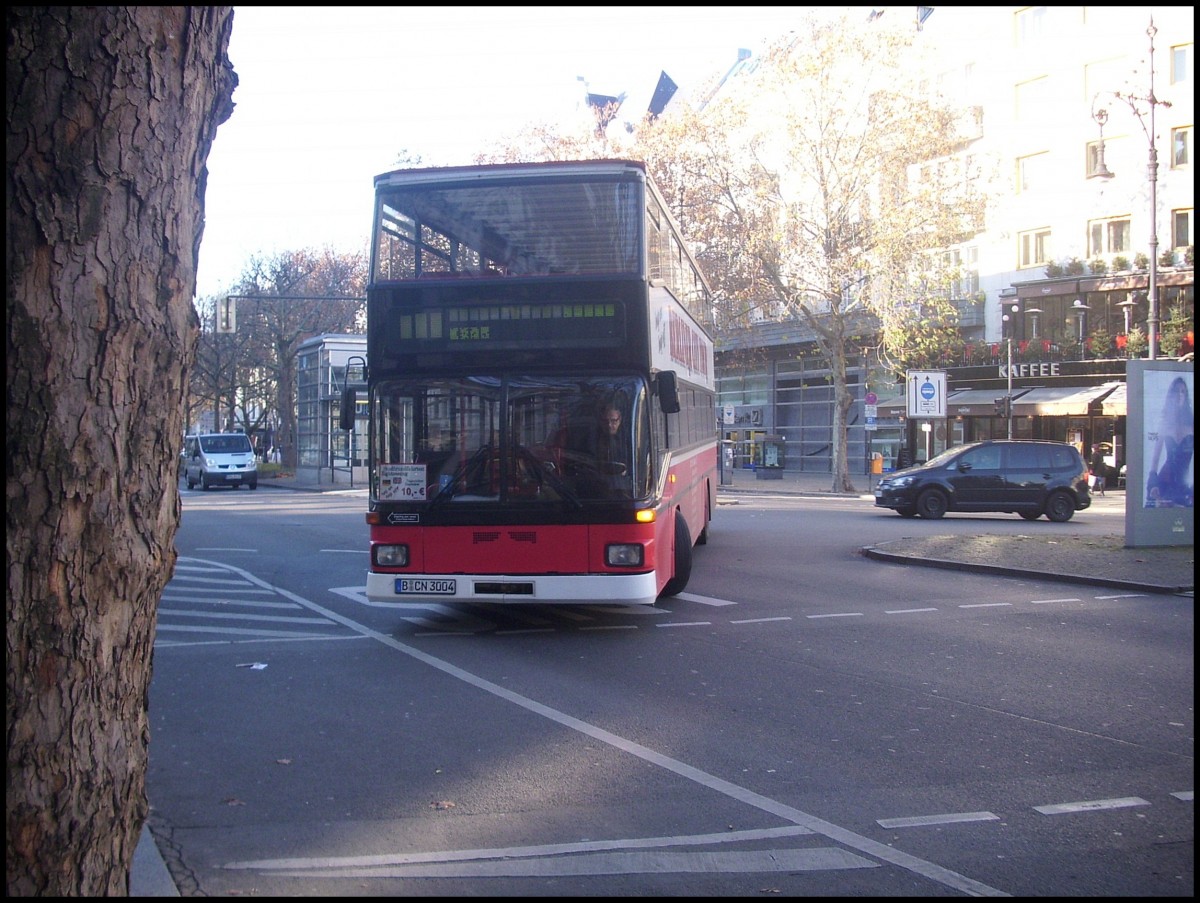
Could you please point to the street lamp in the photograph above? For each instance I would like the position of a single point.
(1079, 307)
(1033, 312)
(1127, 307)
(1135, 104)
(1099, 170)
(1011, 321)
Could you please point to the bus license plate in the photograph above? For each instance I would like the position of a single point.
(410, 585)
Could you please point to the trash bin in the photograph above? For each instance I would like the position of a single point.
(877, 463)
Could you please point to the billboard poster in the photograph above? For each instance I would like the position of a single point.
(1168, 439)
(1160, 441)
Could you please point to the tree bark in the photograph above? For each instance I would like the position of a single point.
(111, 116)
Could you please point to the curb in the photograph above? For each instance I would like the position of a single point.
(880, 555)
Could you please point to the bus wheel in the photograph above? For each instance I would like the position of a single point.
(702, 539)
(683, 558)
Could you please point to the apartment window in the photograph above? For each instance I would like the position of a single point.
(1031, 172)
(1108, 236)
(1031, 24)
(1031, 101)
(1099, 76)
(1181, 63)
(963, 263)
(1035, 248)
(1181, 146)
(1094, 157)
(1181, 227)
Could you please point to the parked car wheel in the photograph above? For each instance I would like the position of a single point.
(1030, 515)
(1060, 508)
(932, 504)
(907, 512)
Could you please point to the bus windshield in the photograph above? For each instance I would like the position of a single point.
(512, 438)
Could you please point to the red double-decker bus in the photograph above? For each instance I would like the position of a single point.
(539, 387)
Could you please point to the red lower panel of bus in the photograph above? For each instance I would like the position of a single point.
(535, 549)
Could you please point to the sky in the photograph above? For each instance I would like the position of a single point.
(329, 97)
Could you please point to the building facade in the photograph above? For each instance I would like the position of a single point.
(1084, 243)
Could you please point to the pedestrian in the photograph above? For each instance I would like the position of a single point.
(1098, 470)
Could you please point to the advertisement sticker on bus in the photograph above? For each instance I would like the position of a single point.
(677, 342)
(402, 482)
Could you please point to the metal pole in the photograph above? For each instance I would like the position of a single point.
(1008, 401)
(1152, 318)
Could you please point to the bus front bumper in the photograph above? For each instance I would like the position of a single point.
(586, 589)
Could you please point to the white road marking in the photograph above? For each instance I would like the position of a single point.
(1091, 805)
(743, 795)
(554, 849)
(657, 863)
(848, 614)
(919, 821)
(703, 600)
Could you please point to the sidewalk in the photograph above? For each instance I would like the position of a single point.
(1042, 553)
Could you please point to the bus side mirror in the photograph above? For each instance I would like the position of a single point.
(346, 414)
(668, 392)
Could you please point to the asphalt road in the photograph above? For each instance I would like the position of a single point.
(274, 724)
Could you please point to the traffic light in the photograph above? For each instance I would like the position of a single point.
(1003, 405)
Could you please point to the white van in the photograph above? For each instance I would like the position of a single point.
(219, 459)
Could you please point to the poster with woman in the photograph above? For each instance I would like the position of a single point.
(1169, 443)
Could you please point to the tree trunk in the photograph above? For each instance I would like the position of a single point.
(285, 403)
(111, 115)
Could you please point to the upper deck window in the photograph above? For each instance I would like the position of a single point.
(517, 228)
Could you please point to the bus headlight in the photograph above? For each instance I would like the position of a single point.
(624, 555)
(391, 556)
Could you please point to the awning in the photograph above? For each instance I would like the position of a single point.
(977, 402)
(1060, 400)
(893, 406)
(1114, 405)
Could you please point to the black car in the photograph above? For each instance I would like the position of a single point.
(1029, 477)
